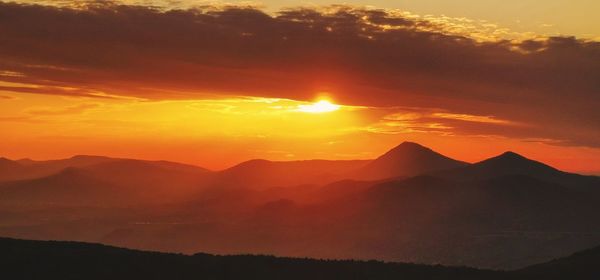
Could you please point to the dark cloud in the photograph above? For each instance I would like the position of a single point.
(364, 57)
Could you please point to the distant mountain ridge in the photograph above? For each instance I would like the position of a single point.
(411, 204)
(263, 174)
(70, 186)
(11, 170)
(405, 160)
(511, 163)
(95, 180)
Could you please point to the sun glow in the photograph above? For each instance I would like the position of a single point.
(322, 106)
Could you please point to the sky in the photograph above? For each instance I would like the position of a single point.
(213, 85)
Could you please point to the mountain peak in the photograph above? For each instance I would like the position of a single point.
(511, 154)
(408, 159)
(407, 148)
(411, 145)
(510, 157)
(507, 163)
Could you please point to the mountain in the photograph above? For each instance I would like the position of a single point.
(405, 160)
(159, 182)
(506, 212)
(99, 181)
(263, 174)
(71, 186)
(510, 163)
(30, 169)
(580, 265)
(506, 222)
(25, 259)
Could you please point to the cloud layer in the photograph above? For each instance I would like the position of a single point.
(361, 57)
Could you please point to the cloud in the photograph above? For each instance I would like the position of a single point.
(73, 92)
(362, 56)
(436, 121)
(69, 110)
(470, 118)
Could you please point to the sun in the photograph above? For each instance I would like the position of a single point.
(321, 106)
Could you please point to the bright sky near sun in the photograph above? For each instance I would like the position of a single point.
(220, 133)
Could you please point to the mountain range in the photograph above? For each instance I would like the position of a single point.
(411, 204)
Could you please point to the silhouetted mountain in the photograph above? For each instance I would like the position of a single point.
(405, 160)
(510, 163)
(581, 265)
(504, 222)
(25, 259)
(265, 174)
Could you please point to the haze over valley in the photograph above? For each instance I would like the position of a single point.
(411, 204)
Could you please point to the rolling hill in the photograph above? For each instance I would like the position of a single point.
(24, 259)
(264, 174)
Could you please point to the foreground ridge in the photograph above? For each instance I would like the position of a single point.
(27, 259)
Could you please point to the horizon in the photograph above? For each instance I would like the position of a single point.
(297, 160)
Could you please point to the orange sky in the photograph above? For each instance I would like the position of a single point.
(222, 132)
(153, 84)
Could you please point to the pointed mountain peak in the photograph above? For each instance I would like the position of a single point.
(407, 159)
(407, 147)
(511, 155)
(410, 145)
(513, 163)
